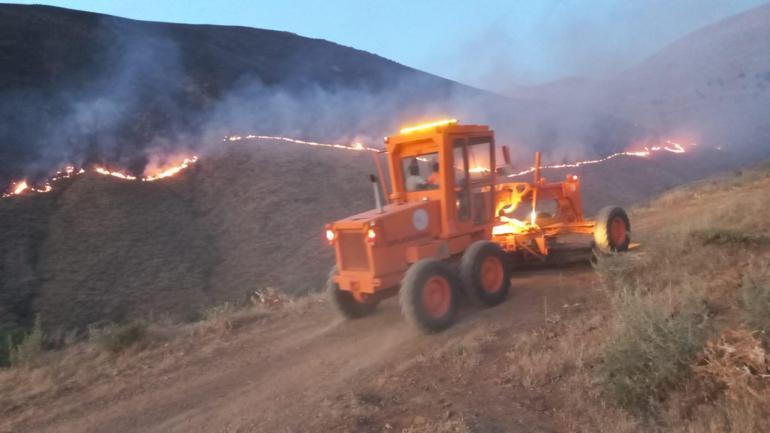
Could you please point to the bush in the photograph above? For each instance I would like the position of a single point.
(652, 350)
(117, 338)
(10, 337)
(27, 352)
(220, 318)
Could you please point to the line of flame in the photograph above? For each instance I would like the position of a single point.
(354, 146)
(646, 152)
(22, 186)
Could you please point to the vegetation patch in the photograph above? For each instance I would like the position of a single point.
(27, 351)
(754, 299)
(10, 337)
(651, 352)
(721, 236)
(116, 338)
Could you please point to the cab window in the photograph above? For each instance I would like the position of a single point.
(420, 172)
(480, 159)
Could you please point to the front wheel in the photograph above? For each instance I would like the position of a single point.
(344, 302)
(429, 295)
(486, 273)
(612, 232)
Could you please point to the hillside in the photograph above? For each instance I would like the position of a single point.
(79, 87)
(82, 88)
(250, 216)
(652, 340)
(247, 217)
(714, 81)
(712, 85)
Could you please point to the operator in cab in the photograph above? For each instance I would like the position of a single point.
(414, 181)
(433, 179)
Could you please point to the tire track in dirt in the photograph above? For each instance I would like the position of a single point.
(279, 375)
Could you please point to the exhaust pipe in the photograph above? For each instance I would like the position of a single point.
(376, 189)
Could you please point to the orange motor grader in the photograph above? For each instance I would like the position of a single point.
(455, 226)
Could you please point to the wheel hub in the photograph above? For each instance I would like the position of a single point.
(437, 296)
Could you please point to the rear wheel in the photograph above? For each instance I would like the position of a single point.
(486, 273)
(344, 302)
(429, 295)
(612, 232)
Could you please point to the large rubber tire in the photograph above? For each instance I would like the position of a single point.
(612, 232)
(485, 270)
(344, 302)
(429, 295)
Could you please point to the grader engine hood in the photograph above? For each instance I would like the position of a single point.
(379, 243)
(397, 223)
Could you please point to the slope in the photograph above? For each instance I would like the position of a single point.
(530, 364)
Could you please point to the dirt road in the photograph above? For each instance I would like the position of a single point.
(308, 371)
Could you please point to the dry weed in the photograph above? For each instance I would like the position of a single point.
(736, 363)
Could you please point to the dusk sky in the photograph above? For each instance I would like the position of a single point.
(494, 44)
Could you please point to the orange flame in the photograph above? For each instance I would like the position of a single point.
(644, 153)
(252, 137)
(118, 174)
(164, 171)
(510, 226)
(20, 187)
(158, 172)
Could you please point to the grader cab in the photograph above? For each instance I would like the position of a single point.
(455, 227)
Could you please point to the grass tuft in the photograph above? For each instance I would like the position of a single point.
(116, 338)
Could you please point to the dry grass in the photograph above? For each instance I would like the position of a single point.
(696, 272)
(754, 299)
(450, 426)
(124, 350)
(116, 338)
(723, 237)
(539, 358)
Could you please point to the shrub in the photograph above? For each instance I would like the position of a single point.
(116, 338)
(220, 317)
(27, 352)
(652, 350)
(10, 337)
